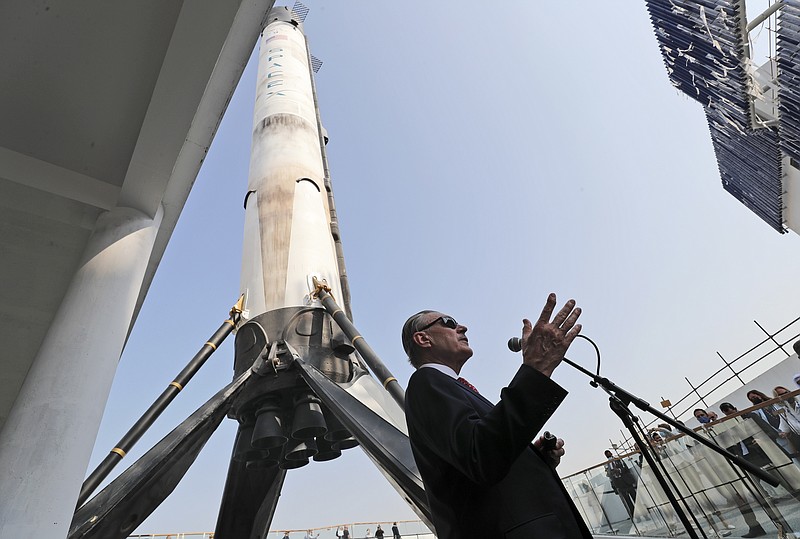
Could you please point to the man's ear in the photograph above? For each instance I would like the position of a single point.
(421, 339)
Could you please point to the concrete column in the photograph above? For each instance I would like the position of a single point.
(47, 441)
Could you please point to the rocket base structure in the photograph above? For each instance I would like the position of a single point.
(306, 385)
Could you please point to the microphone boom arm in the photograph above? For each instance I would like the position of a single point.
(627, 397)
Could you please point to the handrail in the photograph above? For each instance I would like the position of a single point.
(721, 420)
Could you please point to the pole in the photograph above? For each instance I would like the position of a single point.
(736, 374)
(771, 337)
(763, 16)
(372, 360)
(620, 407)
(699, 396)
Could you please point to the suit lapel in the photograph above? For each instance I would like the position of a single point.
(472, 394)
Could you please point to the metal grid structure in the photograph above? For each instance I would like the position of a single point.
(750, 167)
(704, 47)
(788, 57)
(702, 44)
(300, 10)
(776, 344)
(316, 64)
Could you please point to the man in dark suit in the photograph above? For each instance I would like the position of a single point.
(623, 481)
(482, 476)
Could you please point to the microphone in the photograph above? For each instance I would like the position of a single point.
(515, 344)
(549, 441)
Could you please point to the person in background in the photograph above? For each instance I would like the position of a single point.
(622, 481)
(639, 456)
(665, 430)
(727, 409)
(658, 445)
(768, 418)
(395, 531)
(679, 444)
(790, 404)
(311, 535)
(379, 532)
(701, 416)
(749, 450)
(789, 413)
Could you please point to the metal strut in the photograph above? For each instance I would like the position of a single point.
(159, 405)
(130, 498)
(390, 383)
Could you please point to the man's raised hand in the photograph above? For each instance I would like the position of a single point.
(545, 343)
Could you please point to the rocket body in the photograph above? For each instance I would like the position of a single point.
(287, 235)
(302, 387)
(314, 395)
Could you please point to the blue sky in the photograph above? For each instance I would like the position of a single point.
(481, 157)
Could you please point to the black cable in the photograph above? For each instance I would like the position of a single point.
(597, 351)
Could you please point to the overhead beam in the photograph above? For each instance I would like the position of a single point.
(764, 16)
(218, 88)
(31, 172)
(189, 87)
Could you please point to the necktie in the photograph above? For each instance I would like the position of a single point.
(464, 382)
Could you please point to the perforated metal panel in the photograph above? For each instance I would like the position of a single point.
(750, 167)
(788, 58)
(702, 44)
(300, 10)
(316, 63)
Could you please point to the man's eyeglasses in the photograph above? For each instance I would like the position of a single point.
(447, 321)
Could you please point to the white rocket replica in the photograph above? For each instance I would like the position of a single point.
(306, 385)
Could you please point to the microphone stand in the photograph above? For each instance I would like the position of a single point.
(620, 401)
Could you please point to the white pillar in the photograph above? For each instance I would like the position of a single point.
(47, 440)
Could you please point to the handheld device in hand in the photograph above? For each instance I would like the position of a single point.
(549, 441)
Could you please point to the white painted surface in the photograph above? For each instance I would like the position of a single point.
(287, 234)
(791, 196)
(370, 393)
(47, 440)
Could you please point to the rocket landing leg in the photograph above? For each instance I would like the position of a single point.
(316, 398)
(300, 394)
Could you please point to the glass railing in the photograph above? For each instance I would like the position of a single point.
(409, 529)
(622, 497)
(186, 535)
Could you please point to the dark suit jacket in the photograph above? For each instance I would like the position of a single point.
(482, 477)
